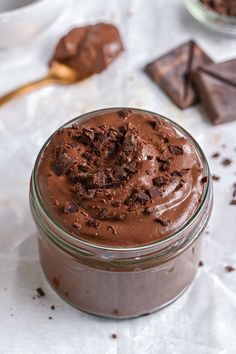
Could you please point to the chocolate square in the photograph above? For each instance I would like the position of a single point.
(216, 86)
(172, 72)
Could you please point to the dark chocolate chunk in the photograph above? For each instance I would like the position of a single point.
(137, 196)
(86, 137)
(94, 223)
(176, 150)
(162, 221)
(216, 86)
(114, 335)
(172, 72)
(229, 269)
(62, 165)
(70, 207)
(52, 307)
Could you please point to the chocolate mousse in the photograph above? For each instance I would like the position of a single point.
(89, 49)
(121, 177)
(223, 7)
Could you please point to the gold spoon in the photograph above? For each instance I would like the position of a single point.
(58, 74)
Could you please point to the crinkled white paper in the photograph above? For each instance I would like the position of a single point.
(203, 320)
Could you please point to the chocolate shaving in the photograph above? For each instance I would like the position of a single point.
(154, 192)
(179, 186)
(176, 150)
(180, 173)
(137, 196)
(104, 213)
(70, 207)
(94, 223)
(110, 227)
(160, 181)
(77, 225)
(162, 221)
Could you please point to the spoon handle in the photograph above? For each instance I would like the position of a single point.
(27, 88)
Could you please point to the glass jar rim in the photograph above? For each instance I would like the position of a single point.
(100, 247)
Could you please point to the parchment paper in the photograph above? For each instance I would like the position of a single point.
(203, 320)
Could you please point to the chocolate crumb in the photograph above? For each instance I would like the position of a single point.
(229, 269)
(149, 157)
(200, 264)
(226, 162)
(204, 179)
(40, 292)
(50, 317)
(52, 307)
(115, 312)
(215, 178)
(215, 155)
(114, 335)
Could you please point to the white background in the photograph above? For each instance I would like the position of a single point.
(203, 320)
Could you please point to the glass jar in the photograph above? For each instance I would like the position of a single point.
(212, 19)
(120, 282)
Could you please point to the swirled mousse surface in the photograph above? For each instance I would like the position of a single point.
(121, 178)
(89, 49)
